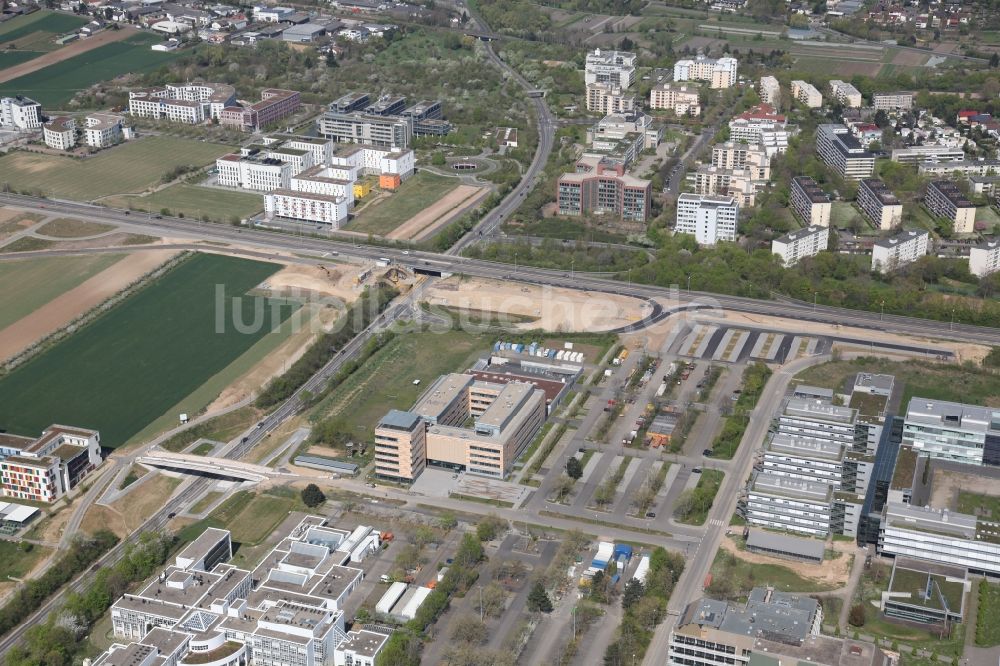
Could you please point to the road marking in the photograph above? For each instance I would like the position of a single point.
(716, 522)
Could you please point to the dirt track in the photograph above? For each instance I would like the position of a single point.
(66, 52)
(435, 215)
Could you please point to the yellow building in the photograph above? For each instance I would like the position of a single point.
(361, 189)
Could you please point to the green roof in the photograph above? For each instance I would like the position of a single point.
(916, 584)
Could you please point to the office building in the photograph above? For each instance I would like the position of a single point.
(101, 130)
(962, 168)
(20, 113)
(843, 153)
(926, 592)
(274, 106)
(60, 133)
(356, 127)
(44, 469)
(614, 67)
(617, 129)
(944, 199)
(289, 610)
(710, 219)
(351, 102)
(400, 446)
(810, 202)
(720, 73)
(607, 98)
(254, 170)
(889, 254)
(770, 91)
(190, 103)
(846, 94)
(387, 105)
(892, 101)
(806, 94)
(941, 536)
(320, 148)
(878, 204)
(600, 186)
(801, 243)
(786, 503)
(985, 258)
(681, 99)
(936, 153)
(953, 431)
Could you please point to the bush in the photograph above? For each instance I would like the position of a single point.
(312, 496)
(856, 617)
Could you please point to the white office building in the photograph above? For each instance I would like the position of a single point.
(710, 219)
(101, 130)
(770, 91)
(940, 535)
(846, 94)
(21, 113)
(331, 211)
(801, 243)
(889, 254)
(806, 94)
(720, 73)
(933, 153)
(984, 259)
(614, 67)
(967, 434)
(786, 503)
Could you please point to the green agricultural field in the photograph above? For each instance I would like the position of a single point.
(416, 194)
(131, 167)
(35, 282)
(196, 201)
(11, 58)
(41, 21)
(56, 84)
(146, 354)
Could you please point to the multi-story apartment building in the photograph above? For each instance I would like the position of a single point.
(806, 94)
(879, 204)
(801, 243)
(893, 100)
(984, 259)
(739, 155)
(770, 91)
(761, 125)
(614, 67)
(601, 186)
(939, 535)
(289, 610)
(889, 254)
(46, 468)
(935, 153)
(682, 99)
(254, 171)
(20, 113)
(810, 202)
(190, 103)
(710, 219)
(786, 503)
(963, 168)
(101, 130)
(295, 205)
(737, 183)
(720, 73)
(389, 131)
(953, 431)
(846, 94)
(60, 133)
(637, 128)
(843, 153)
(607, 98)
(275, 105)
(944, 199)
(321, 149)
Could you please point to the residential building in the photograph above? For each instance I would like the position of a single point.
(190, 103)
(355, 127)
(614, 67)
(761, 125)
(941, 536)
(888, 254)
(623, 136)
(963, 168)
(775, 142)
(925, 153)
(892, 101)
(810, 202)
(720, 73)
(101, 130)
(254, 171)
(682, 100)
(320, 148)
(607, 98)
(985, 185)
(801, 243)
(289, 610)
(846, 94)
(843, 153)
(392, 166)
(738, 183)
(20, 112)
(44, 469)
(600, 186)
(738, 155)
(295, 205)
(710, 219)
(984, 259)
(945, 199)
(60, 133)
(770, 91)
(953, 431)
(275, 105)
(806, 94)
(879, 204)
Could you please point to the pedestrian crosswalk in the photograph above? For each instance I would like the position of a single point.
(717, 522)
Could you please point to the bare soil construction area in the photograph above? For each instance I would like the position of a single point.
(429, 220)
(68, 306)
(66, 52)
(835, 572)
(553, 309)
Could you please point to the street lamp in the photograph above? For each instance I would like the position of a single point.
(815, 296)
(689, 284)
(515, 263)
(881, 310)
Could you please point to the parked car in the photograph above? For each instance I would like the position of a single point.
(696, 470)
(650, 514)
(708, 452)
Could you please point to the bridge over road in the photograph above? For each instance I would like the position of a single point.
(208, 466)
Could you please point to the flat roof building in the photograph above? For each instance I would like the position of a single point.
(843, 153)
(806, 94)
(879, 204)
(935, 153)
(964, 433)
(801, 243)
(600, 186)
(892, 100)
(846, 94)
(889, 254)
(383, 131)
(710, 219)
(614, 67)
(810, 202)
(770, 90)
(44, 469)
(720, 73)
(681, 99)
(609, 98)
(20, 112)
(945, 199)
(984, 258)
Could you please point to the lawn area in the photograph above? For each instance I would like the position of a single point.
(206, 501)
(195, 201)
(68, 227)
(35, 282)
(146, 354)
(937, 381)
(987, 217)
(987, 627)
(843, 215)
(733, 578)
(692, 507)
(386, 381)
(416, 194)
(40, 21)
(56, 84)
(250, 516)
(131, 167)
(974, 504)
(16, 563)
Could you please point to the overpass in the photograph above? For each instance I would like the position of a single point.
(205, 465)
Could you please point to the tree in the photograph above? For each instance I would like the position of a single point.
(574, 469)
(634, 589)
(492, 600)
(856, 617)
(437, 159)
(312, 496)
(448, 521)
(489, 527)
(538, 599)
(469, 629)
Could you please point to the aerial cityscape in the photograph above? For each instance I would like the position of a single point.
(499, 332)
